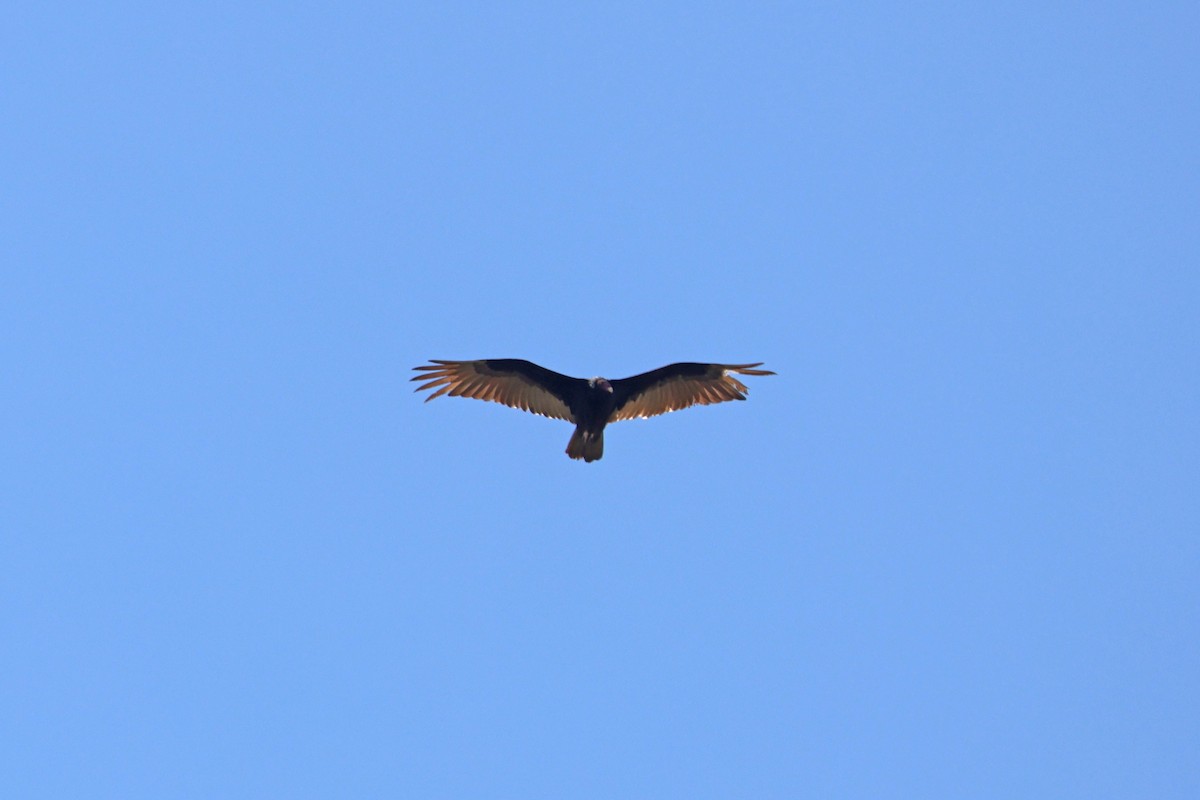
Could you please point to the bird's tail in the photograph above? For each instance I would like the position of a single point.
(587, 445)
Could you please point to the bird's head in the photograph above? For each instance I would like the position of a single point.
(602, 384)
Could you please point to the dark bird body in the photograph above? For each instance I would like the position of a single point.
(590, 404)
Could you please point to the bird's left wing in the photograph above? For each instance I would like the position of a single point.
(513, 382)
(677, 386)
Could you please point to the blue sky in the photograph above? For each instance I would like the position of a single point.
(948, 551)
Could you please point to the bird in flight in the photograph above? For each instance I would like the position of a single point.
(589, 403)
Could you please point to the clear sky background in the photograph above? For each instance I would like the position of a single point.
(950, 551)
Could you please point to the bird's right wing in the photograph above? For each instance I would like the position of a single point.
(677, 386)
(513, 382)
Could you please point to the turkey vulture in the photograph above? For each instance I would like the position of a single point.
(590, 404)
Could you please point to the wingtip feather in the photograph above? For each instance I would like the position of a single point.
(748, 369)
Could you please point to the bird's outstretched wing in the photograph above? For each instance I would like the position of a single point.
(513, 382)
(677, 386)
